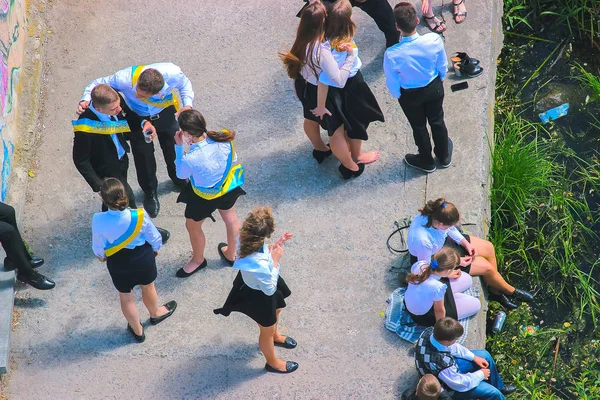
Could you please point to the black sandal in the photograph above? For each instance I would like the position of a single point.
(459, 14)
(437, 25)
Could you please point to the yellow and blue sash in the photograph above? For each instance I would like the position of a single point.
(100, 127)
(171, 99)
(232, 178)
(137, 219)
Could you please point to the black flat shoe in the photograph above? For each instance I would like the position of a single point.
(37, 280)
(138, 338)
(320, 156)
(151, 204)
(348, 173)
(182, 274)
(171, 307)
(34, 263)
(220, 249)
(164, 234)
(508, 389)
(288, 343)
(522, 295)
(290, 366)
(503, 300)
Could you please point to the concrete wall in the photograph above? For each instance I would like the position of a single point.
(13, 23)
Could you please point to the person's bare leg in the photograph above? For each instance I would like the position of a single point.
(482, 267)
(265, 342)
(360, 157)
(313, 132)
(130, 312)
(277, 337)
(340, 149)
(485, 249)
(232, 225)
(150, 299)
(198, 241)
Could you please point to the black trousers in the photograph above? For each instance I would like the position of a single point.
(11, 240)
(121, 174)
(143, 153)
(383, 15)
(424, 105)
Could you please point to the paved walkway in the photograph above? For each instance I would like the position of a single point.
(71, 342)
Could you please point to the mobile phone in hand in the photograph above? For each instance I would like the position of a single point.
(459, 86)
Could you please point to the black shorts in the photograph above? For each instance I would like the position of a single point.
(199, 209)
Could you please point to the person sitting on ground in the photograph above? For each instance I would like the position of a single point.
(435, 227)
(129, 242)
(17, 256)
(428, 388)
(469, 374)
(430, 296)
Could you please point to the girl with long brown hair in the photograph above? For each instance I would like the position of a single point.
(305, 62)
(258, 290)
(215, 180)
(429, 296)
(436, 226)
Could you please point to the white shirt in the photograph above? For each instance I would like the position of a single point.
(205, 162)
(106, 118)
(258, 271)
(451, 376)
(419, 298)
(110, 225)
(326, 64)
(340, 58)
(121, 82)
(414, 62)
(424, 242)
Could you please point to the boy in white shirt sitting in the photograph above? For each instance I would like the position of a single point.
(470, 374)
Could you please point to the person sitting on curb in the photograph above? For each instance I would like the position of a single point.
(17, 256)
(428, 388)
(469, 374)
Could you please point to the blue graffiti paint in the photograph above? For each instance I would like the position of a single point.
(6, 165)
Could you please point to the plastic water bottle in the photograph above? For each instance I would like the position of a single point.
(554, 113)
(499, 322)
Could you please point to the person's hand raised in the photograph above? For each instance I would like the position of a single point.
(179, 137)
(276, 253)
(347, 47)
(82, 106)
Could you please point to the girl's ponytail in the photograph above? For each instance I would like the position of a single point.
(445, 259)
(441, 211)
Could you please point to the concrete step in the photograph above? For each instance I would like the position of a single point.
(7, 294)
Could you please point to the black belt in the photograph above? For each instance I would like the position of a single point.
(422, 87)
(153, 117)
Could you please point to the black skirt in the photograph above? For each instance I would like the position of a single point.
(255, 303)
(428, 319)
(307, 94)
(131, 267)
(462, 252)
(198, 208)
(354, 106)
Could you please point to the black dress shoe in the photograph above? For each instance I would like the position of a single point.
(138, 338)
(220, 249)
(320, 156)
(348, 173)
(35, 262)
(445, 162)
(151, 204)
(171, 306)
(290, 366)
(415, 161)
(288, 343)
(522, 295)
(503, 300)
(182, 274)
(37, 281)
(164, 234)
(508, 389)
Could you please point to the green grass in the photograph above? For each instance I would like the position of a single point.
(588, 80)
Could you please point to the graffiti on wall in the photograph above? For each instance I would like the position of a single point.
(12, 19)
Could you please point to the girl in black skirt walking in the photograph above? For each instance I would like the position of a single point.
(215, 184)
(351, 107)
(258, 291)
(129, 242)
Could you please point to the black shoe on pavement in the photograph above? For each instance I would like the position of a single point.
(290, 366)
(151, 204)
(35, 262)
(138, 338)
(37, 281)
(508, 389)
(445, 163)
(164, 234)
(171, 307)
(522, 295)
(414, 160)
(503, 300)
